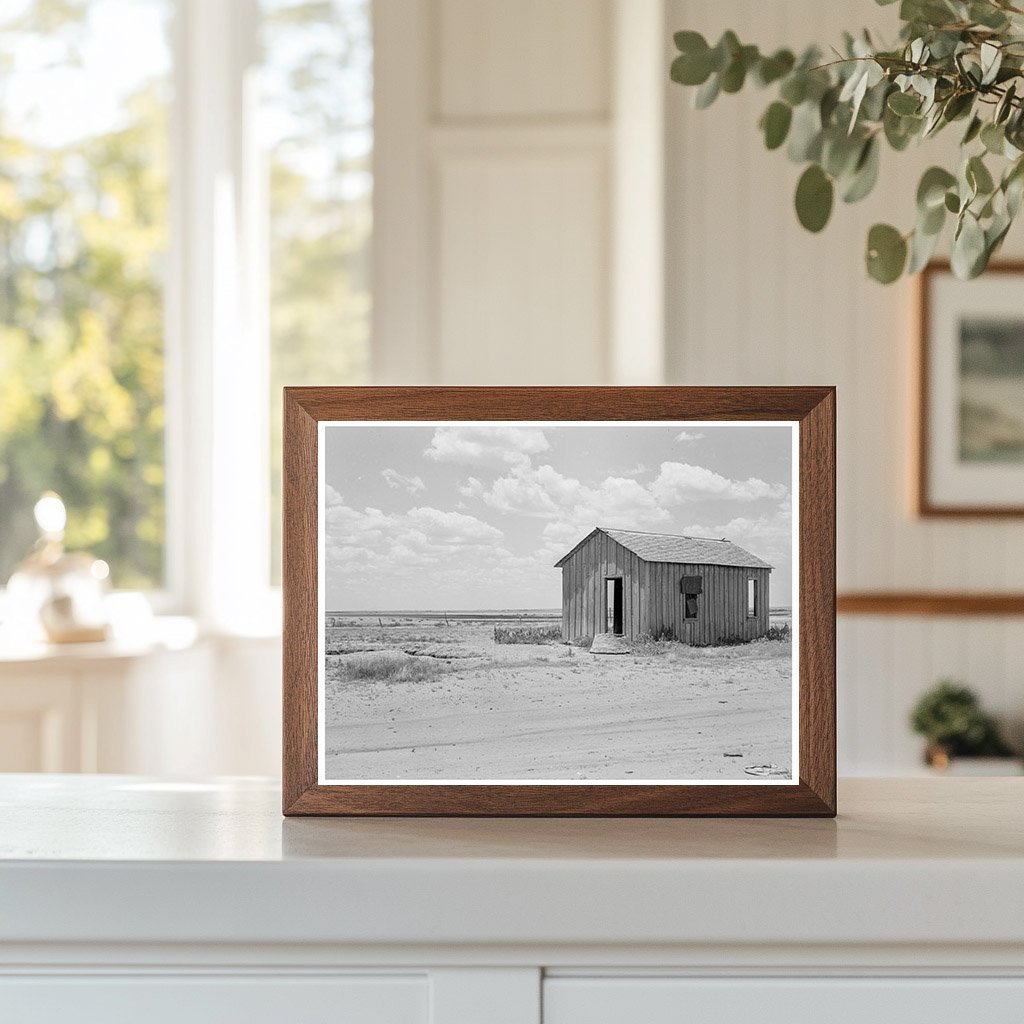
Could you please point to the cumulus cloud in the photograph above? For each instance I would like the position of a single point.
(544, 492)
(451, 527)
(421, 528)
(411, 484)
(388, 555)
(686, 435)
(679, 482)
(486, 445)
(768, 536)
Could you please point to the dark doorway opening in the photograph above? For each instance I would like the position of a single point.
(613, 605)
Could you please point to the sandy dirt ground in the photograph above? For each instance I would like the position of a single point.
(425, 699)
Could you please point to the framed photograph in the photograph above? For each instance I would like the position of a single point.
(970, 450)
(559, 601)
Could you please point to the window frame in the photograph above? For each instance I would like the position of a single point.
(216, 347)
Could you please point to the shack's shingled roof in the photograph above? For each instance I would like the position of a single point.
(669, 547)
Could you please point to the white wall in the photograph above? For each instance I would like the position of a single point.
(495, 198)
(754, 299)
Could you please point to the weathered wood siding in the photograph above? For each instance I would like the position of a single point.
(651, 598)
(583, 588)
(721, 607)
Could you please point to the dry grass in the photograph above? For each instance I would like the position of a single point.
(527, 634)
(385, 666)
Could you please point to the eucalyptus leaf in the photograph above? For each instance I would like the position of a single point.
(931, 190)
(973, 130)
(771, 69)
(1005, 105)
(691, 70)
(865, 174)
(840, 152)
(978, 176)
(775, 124)
(707, 93)
(932, 221)
(794, 88)
(991, 60)
(968, 248)
(900, 130)
(904, 103)
(922, 247)
(987, 15)
(805, 133)
(724, 51)
(735, 74)
(886, 253)
(957, 106)
(814, 196)
(991, 57)
(873, 106)
(993, 138)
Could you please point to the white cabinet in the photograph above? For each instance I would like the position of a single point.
(202, 999)
(127, 899)
(830, 1000)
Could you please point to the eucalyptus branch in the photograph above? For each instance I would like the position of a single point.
(955, 59)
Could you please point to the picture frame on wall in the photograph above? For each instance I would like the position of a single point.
(559, 601)
(970, 383)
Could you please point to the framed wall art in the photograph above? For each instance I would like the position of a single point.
(970, 444)
(559, 601)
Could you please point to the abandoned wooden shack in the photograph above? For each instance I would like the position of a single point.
(693, 589)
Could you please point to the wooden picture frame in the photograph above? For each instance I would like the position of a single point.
(928, 373)
(811, 410)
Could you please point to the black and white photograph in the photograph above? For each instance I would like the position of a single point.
(557, 602)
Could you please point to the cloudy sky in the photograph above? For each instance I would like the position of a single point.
(473, 516)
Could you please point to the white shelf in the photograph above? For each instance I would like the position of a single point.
(121, 859)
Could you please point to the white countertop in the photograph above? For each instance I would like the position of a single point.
(123, 859)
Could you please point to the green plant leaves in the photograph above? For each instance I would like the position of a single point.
(932, 189)
(991, 61)
(900, 130)
(707, 93)
(904, 103)
(886, 254)
(693, 65)
(814, 196)
(985, 14)
(993, 138)
(865, 173)
(805, 133)
(956, 60)
(775, 122)
(969, 255)
(735, 74)
(771, 69)
(978, 176)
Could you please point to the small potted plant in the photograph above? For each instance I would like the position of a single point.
(950, 718)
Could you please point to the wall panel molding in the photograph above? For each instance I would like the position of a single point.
(949, 605)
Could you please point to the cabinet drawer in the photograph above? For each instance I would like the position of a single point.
(654, 1000)
(202, 999)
